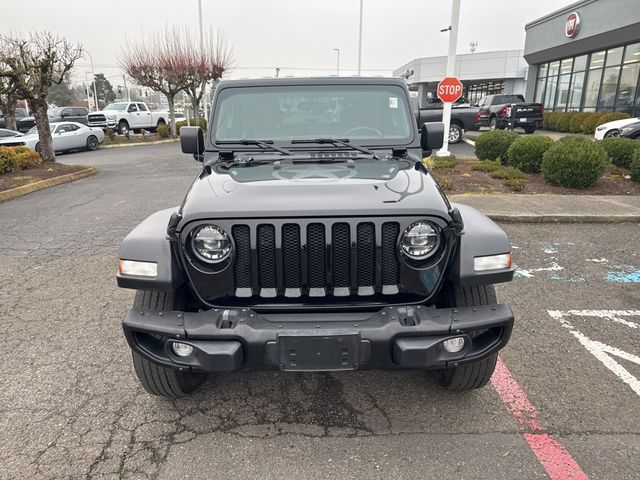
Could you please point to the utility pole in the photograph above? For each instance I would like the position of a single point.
(451, 72)
(126, 88)
(95, 92)
(337, 50)
(206, 104)
(360, 41)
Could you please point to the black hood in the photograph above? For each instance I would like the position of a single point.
(354, 188)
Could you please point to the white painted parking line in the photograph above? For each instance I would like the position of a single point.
(469, 141)
(602, 351)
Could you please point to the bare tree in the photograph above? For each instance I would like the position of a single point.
(33, 63)
(207, 64)
(160, 63)
(8, 99)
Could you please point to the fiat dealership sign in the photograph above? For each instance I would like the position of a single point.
(449, 89)
(572, 25)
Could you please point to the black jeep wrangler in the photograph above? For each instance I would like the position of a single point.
(314, 239)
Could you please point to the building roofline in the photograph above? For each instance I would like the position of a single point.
(557, 13)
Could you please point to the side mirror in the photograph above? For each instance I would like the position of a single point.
(431, 136)
(192, 141)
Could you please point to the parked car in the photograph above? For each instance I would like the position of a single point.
(57, 114)
(4, 133)
(20, 113)
(314, 239)
(125, 116)
(509, 111)
(612, 129)
(463, 118)
(66, 136)
(631, 130)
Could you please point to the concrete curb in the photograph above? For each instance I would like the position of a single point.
(564, 218)
(140, 144)
(42, 184)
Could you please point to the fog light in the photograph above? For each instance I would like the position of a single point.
(181, 349)
(453, 345)
(492, 262)
(138, 269)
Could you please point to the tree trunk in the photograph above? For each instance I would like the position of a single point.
(172, 113)
(8, 105)
(38, 107)
(196, 109)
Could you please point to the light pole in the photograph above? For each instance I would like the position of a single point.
(337, 50)
(360, 40)
(87, 90)
(95, 92)
(451, 72)
(202, 52)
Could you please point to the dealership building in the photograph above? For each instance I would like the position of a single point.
(584, 57)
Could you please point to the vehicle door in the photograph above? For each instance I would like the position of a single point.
(80, 115)
(67, 137)
(145, 116)
(134, 116)
(484, 110)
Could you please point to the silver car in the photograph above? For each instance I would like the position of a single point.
(66, 136)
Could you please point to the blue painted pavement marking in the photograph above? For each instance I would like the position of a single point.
(628, 277)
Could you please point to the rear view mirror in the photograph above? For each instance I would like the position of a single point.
(431, 136)
(192, 141)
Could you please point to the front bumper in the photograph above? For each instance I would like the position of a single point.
(393, 337)
(104, 125)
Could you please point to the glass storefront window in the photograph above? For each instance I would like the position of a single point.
(565, 66)
(553, 68)
(539, 96)
(592, 87)
(614, 56)
(542, 70)
(576, 90)
(563, 91)
(632, 53)
(580, 63)
(609, 87)
(550, 92)
(628, 84)
(597, 59)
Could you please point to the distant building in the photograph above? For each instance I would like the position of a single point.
(586, 57)
(481, 73)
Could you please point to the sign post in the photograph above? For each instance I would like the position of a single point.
(451, 66)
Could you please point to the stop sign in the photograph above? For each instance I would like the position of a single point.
(449, 89)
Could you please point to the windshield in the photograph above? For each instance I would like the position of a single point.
(116, 106)
(53, 112)
(371, 114)
(34, 130)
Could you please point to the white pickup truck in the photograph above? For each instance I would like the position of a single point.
(125, 116)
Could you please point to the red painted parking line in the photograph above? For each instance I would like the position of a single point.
(552, 455)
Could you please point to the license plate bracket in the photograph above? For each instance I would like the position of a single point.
(319, 352)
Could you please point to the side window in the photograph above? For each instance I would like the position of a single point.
(72, 128)
(132, 108)
(67, 112)
(4, 133)
(80, 112)
(142, 107)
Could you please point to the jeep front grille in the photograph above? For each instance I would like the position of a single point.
(316, 259)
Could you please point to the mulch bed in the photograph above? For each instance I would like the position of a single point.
(41, 172)
(463, 179)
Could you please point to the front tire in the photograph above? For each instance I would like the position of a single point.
(92, 143)
(455, 133)
(123, 128)
(612, 133)
(477, 374)
(493, 123)
(156, 379)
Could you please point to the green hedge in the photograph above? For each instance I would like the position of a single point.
(13, 159)
(494, 145)
(201, 122)
(634, 167)
(574, 163)
(620, 150)
(164, 131)
(526, 153)
(579, 122)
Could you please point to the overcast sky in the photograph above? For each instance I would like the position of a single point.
(296, 35)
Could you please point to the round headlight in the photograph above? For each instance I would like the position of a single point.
(420, 240)
(211, 244)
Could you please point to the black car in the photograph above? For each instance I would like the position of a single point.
(314, 239)
(631, 131)
(20, 114)
(57, 114)
(509, 111)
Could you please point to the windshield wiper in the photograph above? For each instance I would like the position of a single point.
(343, 142)
(266, 144)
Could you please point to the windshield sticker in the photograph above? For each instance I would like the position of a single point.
(393, 102)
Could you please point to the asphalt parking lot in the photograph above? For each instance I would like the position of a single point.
(71, 407)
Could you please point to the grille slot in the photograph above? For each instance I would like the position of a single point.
(342, 258)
